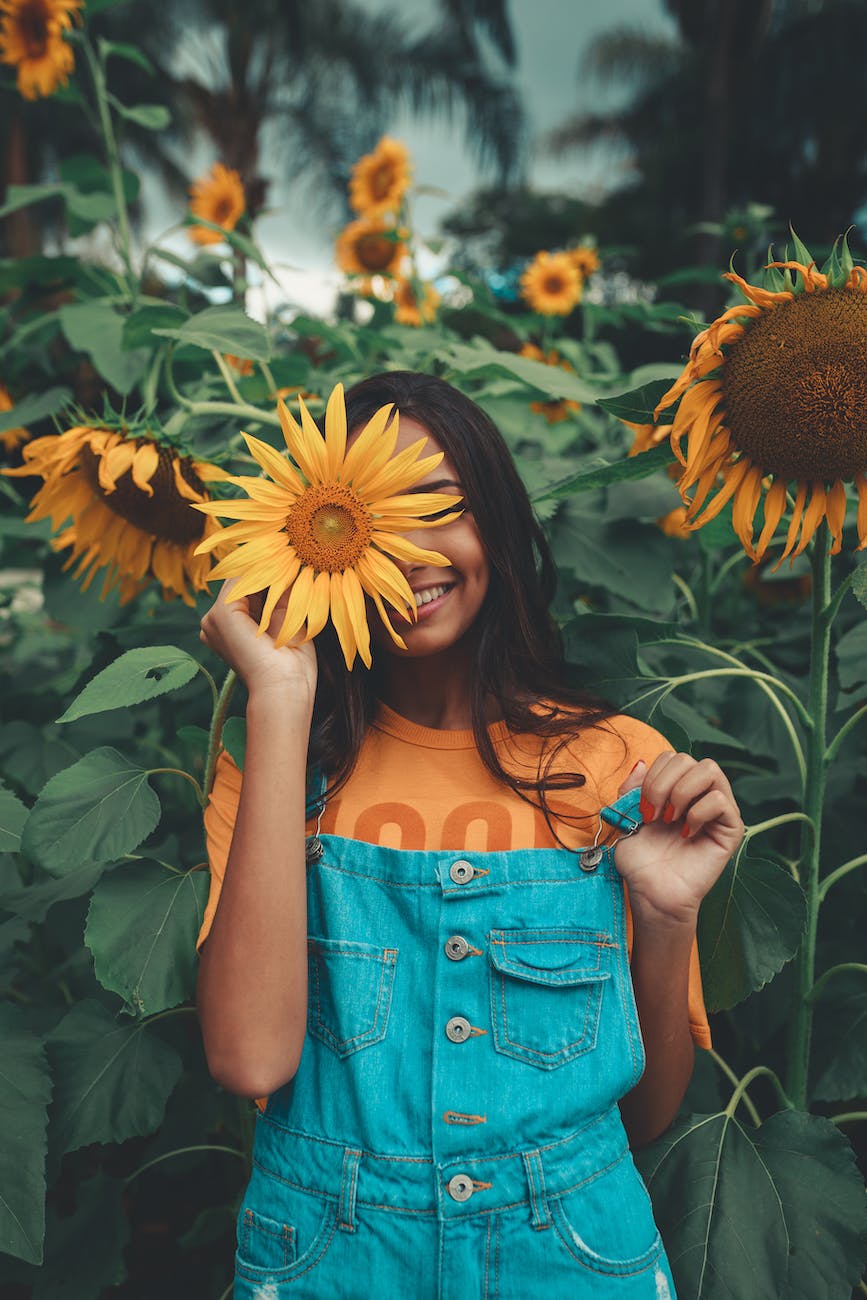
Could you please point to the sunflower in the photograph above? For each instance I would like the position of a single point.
(242, 366)
(408, 309)
(585, 259)
(325, 534)
(775, 392)
(554, 411)
(370, 246)
(551, 284)
(129, 502)
(11, 438)
(674, 523)
(31, 40)
(217, 197)
(380, 179)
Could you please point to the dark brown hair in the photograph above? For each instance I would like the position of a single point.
(519, 660)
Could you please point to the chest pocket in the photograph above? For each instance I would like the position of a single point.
(348, 992)
(546, 992)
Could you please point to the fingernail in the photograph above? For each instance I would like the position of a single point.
(640, 763)
(684, 831)
(647, 810)
(668, 815)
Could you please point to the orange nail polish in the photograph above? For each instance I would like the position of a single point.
(668, 815)
(647, 810)
(684, 831)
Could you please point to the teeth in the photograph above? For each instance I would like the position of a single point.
(430, 593)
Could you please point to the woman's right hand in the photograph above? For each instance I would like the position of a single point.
(231, 630)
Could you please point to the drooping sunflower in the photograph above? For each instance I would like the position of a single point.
(408, 310)
(217, 197)
(775, 392)
(585, 259)
(31, 40)
(551, 285)
(380, 179)
(11, 438)
(556, 410)
(129, 502)
(370, 246)
(325, 531)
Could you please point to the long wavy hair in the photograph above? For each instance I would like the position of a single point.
(519, 662)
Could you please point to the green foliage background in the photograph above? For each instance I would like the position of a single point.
(121, 1163)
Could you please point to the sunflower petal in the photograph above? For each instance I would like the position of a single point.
(775, 504)
(795, 520)
(813, 516)
(274, 464)
(746, 502)
(341, 620)
(282, 578)
(115, 462)
(380, 574)
(353, 595)
(861, 522)
(377, 432)
(335, 432)
(734, 476)
(386, 621)
(401, 472)
(414, 503)
(320, 604)
(296, 607)
(403, 549)
(144, 466)
(314, 444)
(836, 514)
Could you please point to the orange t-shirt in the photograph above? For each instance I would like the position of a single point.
(419, 788)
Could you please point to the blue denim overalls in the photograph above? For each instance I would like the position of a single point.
(452, 1132)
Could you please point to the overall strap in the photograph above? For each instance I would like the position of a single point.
(315, 795)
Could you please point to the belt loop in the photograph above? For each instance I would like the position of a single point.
(346, 1209)
(536, 1183)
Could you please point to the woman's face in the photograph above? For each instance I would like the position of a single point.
(448, 598)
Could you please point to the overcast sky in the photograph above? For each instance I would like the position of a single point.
(550, 36)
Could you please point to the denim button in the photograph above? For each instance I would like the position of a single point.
(456, 947)
(458, 1029)
(589, 860)
(460, 1187)
(461, 871)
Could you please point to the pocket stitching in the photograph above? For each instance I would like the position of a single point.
(588, 1258)
(346, 1046)
(254, 1273)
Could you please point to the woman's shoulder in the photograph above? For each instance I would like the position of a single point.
(606, 750)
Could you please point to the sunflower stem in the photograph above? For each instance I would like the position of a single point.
(179, 771)
(831, 752)
(757, 1072)
(852, 865)
(216, 732)
(844, 968)
(227, 376)
(97, 72)
(813, 801)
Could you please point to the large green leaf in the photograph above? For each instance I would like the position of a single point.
(35, 407)
(24, 196)
(32, 902)
(139, 326)
(840, 1038)
(638, 406)
(226, 329)
(25, 1089)
(95, 811)
(851, 652)
(111, 1080)
(859, 584)
(480, 358)
(769, 1213)
(13, 815)
(602, 472)
(136, 676)
(73, 1268)
(141, 928)
(97, 329)
(749, 926)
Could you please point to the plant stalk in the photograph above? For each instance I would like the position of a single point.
(216, 731)
(97, 72)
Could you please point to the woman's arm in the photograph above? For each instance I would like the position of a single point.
(692, 826)
(252, 984)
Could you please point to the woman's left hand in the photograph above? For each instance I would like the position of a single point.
(691, 827)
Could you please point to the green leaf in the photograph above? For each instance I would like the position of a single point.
(31, 903)
(36, 406)
(223, 329)
(840, 1038)
(153, 117)
(73, 1266)
(141, 928)
(25, 1090)
(235, 739)
(554, 381)
(97, 329)
(95, 811)
(138, 327)
(749, 926)
(638, 406)
(859, 584)
(24, 196)
(13, 815)
(604, 472)
(112, 1080)
(851, 652)
(119, 50)
(773, 1213)
(136, 676)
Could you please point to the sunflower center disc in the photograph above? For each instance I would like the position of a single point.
(375, 252)
(166, 515)
(329, 527)
(554, 284)
(795, 387)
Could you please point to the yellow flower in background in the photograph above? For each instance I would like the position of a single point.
(129, 502)
(325, 532)
(380, 179)
(12, 438)
(217, 197)
(242, 366)
(31, 40)
(647, 436)
(551, 284)
(370, 246)
(408, 309)
(585, 259)
(674, 523)
(775, 392)
(554, 411)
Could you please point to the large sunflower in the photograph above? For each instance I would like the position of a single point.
(585, 259)
(129, 502)
(380, 179)
(370, 246)
(31, 40)
(325, 534)
(11, 438)
(552, 284)
(217, 197)
(775, 392)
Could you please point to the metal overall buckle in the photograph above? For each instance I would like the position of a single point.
(313, 849)
(624, 815)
